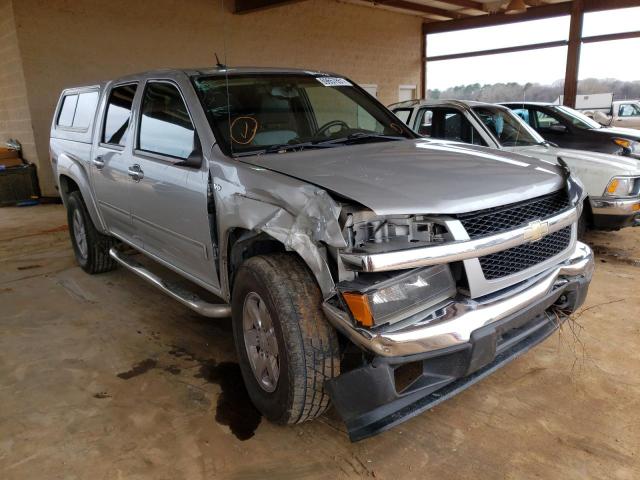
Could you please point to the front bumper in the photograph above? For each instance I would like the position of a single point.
(615, 213)
(454, 322)
(451, 352)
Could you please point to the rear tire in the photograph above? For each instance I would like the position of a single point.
(291, 342)
(91, 247)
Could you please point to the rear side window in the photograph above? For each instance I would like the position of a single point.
(78, 110)
(68, 110)
(165, 125)
(85, 110)
(118, 116)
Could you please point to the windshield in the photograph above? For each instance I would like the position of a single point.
(269, 113)
(508, 128)
(578, 119)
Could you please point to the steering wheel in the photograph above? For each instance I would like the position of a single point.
(332, 123)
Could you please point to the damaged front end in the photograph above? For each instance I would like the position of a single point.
(408, 292)
(419, 362)
(428, 324)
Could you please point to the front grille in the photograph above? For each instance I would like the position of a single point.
(494, 220)
(516, 259)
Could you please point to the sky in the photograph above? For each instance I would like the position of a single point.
(616, 59)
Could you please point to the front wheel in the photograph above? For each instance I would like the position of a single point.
(286, 347)
(585, 220)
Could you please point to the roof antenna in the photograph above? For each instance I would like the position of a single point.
(219, 64)
(226, 70)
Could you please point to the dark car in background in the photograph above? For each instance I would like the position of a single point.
(569, 128)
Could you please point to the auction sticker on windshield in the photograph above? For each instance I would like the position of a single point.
(334, 81)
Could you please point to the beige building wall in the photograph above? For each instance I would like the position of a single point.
(70, 42)
(15, 120)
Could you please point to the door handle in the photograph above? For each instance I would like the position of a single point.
(99, 162)
(136, 172)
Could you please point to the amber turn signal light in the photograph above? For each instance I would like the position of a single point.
(613, 185)
(359, 306)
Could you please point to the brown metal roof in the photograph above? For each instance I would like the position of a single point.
(448, 15)
(460, 14)
(444, 10)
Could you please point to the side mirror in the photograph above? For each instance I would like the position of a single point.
(558, 128)
(194, 160)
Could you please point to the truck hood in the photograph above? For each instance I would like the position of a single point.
(631, 133)
(418, 176)
(614, 164)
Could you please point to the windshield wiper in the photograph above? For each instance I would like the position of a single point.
(359, 136)
(286, 147)
(282, 147)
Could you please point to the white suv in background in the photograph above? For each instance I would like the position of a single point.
(612, 182)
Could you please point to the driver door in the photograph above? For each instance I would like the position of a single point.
(628, 116)
(551, 127)
(169, 200)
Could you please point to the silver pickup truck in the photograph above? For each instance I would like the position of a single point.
(360, 263)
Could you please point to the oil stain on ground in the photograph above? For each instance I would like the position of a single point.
(138, 369)
(234, 408)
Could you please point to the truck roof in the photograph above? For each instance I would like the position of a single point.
(207, 71)
(465, 104)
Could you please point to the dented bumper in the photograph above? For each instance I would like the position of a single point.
(465, 343)
(454, 322)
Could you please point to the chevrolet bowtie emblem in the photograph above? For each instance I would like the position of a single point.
(536, 230)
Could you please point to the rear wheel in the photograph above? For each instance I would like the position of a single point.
(91, 247)
(286, 347)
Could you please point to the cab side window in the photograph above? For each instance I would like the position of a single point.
(403, 114)
(544, 120)
(523, 113)
(118, 116)
(425, 122)
(165, 124)
(449, 124)
(629, 110)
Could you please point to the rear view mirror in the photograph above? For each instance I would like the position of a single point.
(558, 128)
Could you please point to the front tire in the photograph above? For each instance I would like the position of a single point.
(584, 221)
(91, 248)
(285, 345)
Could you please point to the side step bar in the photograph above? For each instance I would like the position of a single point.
(191, 300)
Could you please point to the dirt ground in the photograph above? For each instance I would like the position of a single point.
(104, 377)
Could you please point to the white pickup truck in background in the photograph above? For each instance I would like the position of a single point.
(604, 110)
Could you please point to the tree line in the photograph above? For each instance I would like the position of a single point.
(535, 92)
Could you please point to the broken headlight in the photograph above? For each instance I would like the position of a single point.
(376, 299)
(364, 231)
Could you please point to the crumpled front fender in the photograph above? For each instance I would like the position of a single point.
(303, 217)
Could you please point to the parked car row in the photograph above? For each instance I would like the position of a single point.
(570, 128)
(361, 263)
(612, 181)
